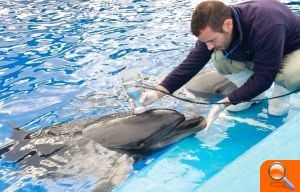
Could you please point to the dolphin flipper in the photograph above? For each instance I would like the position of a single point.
(18, 134)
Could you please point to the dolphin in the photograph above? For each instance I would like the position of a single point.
(51, 147)
(210, 85)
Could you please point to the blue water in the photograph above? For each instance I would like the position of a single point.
(135, 95)
(59, 61)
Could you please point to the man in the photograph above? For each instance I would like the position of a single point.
(253, 44)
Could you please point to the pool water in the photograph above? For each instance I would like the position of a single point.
(59, 61)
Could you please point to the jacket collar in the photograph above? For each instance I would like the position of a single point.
(237, 31)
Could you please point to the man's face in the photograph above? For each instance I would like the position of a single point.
(216, 40)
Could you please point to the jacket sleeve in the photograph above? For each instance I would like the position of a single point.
(268, 53)
(193, 63)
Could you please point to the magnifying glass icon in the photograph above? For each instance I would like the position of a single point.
(277, 172)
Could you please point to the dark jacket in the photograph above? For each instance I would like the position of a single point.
(265, 31)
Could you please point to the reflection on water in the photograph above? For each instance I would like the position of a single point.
(72, 48)
(59, 61)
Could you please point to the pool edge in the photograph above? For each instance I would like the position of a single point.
(230, 178)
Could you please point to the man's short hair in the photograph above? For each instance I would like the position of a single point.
(209, 13)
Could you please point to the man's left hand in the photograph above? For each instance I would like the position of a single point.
(214, 113)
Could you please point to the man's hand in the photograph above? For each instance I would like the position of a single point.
(214, 113)
(150, 97)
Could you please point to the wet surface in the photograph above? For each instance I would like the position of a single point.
(59, 61)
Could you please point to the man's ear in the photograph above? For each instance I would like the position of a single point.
(227, 25)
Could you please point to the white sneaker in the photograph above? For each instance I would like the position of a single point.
(279, 106)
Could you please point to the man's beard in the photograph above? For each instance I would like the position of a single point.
(227, 41)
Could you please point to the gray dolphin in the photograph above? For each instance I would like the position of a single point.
(123, 133)
(210, 85)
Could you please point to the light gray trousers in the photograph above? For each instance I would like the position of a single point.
(288, 76)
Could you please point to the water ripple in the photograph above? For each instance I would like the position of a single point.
(59, 60)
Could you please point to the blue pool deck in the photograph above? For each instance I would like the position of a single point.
(282, 144)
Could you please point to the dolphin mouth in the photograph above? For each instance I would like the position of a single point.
(187, 128)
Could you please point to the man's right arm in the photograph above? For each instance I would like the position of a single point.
(193, 63)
